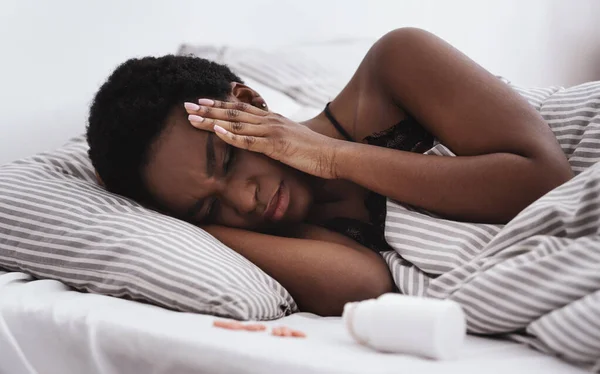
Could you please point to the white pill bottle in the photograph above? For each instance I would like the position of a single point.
(397, 323)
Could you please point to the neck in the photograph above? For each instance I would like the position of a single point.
(321, 125)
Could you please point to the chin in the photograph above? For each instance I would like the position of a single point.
(300, 207)
(294, 216)
(302, 213)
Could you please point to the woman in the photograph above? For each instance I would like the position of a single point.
(306, 202)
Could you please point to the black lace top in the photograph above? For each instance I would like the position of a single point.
(407, 135)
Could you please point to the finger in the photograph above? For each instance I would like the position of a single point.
(240, 128)
(249, 142)
(227, 114)
(241, 106)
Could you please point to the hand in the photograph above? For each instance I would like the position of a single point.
(247, 127)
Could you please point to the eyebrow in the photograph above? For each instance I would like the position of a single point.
(211, 162)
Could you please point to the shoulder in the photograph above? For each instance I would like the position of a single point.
(399, 49)
(407, 36)
(409, 50)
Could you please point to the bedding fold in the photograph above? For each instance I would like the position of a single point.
(535, 280)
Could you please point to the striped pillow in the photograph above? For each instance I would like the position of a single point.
(57, 223)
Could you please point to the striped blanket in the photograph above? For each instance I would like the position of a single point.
(536, 279)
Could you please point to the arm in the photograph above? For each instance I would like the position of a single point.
(507, 155)
(320, 275)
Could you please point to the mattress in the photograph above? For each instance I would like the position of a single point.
(45, 327)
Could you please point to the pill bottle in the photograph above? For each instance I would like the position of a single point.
(413, 325)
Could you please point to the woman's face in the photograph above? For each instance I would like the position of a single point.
(196, 176)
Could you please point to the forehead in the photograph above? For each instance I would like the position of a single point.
(177, 163)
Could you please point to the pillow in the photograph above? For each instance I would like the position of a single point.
(56, 222)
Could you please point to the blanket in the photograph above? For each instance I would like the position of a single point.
(537, 279)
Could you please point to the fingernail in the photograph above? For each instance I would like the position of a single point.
(220, 130)
(195, 118)
(191, 106)
(208, 102)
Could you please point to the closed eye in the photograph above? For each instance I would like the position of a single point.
(213, 210)
(214, 206)
(229, 158)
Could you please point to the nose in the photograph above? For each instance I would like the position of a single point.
(241, 195)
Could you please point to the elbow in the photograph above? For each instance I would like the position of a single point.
(549, 173)
(555, 175)
(405, 35)
(368, 286)
(544, 175)
(551, 168)
(374, 286)
(528, 179)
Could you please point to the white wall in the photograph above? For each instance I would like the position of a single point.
(57, 53)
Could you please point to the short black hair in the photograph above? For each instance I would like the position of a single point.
(129, 113)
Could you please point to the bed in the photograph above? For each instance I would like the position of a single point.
(45, 327)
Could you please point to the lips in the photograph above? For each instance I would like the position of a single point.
(272, 206)
(278, 204)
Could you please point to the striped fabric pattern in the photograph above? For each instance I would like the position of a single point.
(539, 274)
(57, 223)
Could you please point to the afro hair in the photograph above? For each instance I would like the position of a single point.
(129, 113)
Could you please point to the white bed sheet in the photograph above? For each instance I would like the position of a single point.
(47, 328)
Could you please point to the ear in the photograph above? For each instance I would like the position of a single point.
(246, 94)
